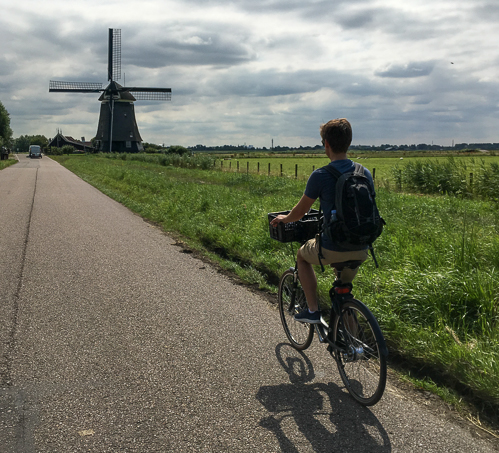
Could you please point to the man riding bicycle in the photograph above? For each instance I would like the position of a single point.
(336, 137)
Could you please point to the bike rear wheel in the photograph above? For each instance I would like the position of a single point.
(362, 366)
(299, 334)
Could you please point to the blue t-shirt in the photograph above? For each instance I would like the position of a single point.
(322, 184)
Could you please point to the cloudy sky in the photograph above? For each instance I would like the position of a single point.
(249, 71)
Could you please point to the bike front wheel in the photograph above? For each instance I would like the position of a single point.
(362, 360)
(291, 301)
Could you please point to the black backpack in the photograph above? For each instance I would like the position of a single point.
(358, 222)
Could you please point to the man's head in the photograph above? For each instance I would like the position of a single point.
(338, 133)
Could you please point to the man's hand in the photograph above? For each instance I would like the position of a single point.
(296, 213)
(276, 221)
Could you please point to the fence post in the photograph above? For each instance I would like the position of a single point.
(269, 168)
(296, 171)
(313, 168)
(281, 169)
(247, 167)
(258, 168)
(230, 165)
(238, 166)
(374, 174)
(221, 164)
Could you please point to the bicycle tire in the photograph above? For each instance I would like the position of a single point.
(299, 334)
(363, 368)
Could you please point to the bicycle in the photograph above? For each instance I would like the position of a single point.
(353, 336)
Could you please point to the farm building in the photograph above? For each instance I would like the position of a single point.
(61, 140)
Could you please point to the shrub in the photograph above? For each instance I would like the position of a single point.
(53, 151)
(176, 149)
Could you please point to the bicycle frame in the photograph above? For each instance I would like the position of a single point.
(322, 329)
(338, 294)
(353, 336)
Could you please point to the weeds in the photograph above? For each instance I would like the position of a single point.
(451, 177)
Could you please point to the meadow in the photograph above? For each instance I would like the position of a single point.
(383, 167)
(436, 292)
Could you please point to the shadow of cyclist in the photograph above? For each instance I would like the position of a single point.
(323, 414)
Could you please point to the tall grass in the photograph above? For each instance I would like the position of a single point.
(183, 161)
(455, 177)
(436, 292)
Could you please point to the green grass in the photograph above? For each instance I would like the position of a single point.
(6, 163)
(383, 167)
(436, 293)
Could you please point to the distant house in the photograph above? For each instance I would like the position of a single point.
(61, 140)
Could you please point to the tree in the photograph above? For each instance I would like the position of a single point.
(21, 144)
(40, 140)
(5, 130)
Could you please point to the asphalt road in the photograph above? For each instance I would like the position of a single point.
(112, 339)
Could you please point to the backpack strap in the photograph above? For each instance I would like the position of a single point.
(340, 178)
(359, 169)
(371, 249)
(321, 256)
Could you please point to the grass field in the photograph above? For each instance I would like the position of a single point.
(436, 293)
(383, 167)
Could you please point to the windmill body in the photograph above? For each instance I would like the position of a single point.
(125, 133)
(117, 128)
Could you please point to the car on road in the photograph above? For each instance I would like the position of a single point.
(35, 151)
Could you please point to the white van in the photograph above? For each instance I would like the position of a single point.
(35, 151)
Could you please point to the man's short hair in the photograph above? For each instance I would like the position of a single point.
(338, 133)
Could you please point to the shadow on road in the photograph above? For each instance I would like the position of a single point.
(323, 416)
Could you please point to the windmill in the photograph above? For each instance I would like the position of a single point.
(117, 129)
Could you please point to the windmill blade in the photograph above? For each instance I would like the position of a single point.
(150, 94)
(79, 87)
(114, 54)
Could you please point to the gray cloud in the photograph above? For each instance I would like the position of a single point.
(408, 70)
(200, 49)
(309, 62)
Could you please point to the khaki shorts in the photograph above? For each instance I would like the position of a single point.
(310, 253)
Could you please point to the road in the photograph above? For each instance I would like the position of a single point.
(113, 339)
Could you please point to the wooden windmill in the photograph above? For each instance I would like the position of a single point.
(117, 129)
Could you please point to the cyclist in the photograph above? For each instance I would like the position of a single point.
(336, 137)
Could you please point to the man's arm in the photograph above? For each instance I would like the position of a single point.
(301, 208)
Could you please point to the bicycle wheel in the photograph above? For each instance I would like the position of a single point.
(362, 366)
(299, 334)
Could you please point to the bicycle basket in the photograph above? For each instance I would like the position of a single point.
(304, 229)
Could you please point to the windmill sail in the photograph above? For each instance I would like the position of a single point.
(79, 87)
(150, 94)
(114, 55)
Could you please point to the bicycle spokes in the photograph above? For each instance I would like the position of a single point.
(291, 301)
(361, 365)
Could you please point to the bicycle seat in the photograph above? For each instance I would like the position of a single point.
(351, 264)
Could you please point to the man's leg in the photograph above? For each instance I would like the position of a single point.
(308, 255)
(308, 281)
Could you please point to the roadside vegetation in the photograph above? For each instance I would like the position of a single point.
(5, 163)
(436, 292)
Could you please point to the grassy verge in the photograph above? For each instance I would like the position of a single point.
(436, 293)
(6, 163)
